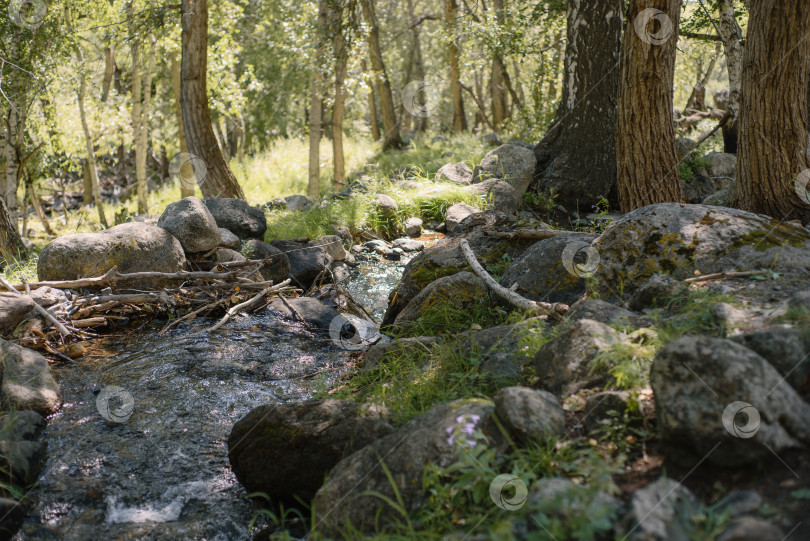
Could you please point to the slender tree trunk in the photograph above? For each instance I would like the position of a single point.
(316, 105)
(340, 50)
(732, 43)
(390, 126)
(137, 118)
(577, 156)
(87, 194)
(11, 245)
(459, 118)
(647, 162)
(109, 72)
(31, 193)
(142, 120)
(219, 182)
(497, 85)
(772, 175)
(15, 129)
(372, 107)
(186, 168)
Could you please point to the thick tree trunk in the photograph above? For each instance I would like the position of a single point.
(772, 175)
(340, 50)
(647, 162)
(316, 106)
(372, 107)
(420, 123)
(732, 37)
(219, 181)
(390, 126)
(459, 118)
(577, 156)
(186, 168)
(11, 245)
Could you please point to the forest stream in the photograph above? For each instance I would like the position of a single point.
(163, 472)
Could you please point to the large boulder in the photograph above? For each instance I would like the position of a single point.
(677, 239)
(462, 291)
(721, 164)
(277, 269)
(13, 309)
(132, 247)
(306, 262)
(513, 163)
(456, 214)
(190, 222)
(349, 497)
(553, 270)
(500, 195)
(27, 380)
(719, 401)
(457, 173)
(228, 240)
(285, 450)
(787, 349)
(238, 217)
(446, 257)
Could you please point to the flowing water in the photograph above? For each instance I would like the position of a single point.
(156, 467)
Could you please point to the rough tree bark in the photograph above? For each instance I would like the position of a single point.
(459, 118)
(109, 72)
(731, 34)
(186, 168)
(577, 156)
(420, 123)
(390, 126)
(645, 146)
(220, 181)
(772, 158)
(372, 107)
(141, 104)
(341, 53)
(11, 245)
(316, 106)
(497, 85)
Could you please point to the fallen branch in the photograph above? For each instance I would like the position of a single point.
(541, 308)
(89, 322)
(43, 311)
(112, 276)
(718, 275)
(526, 233)
(191, 315)
(239, 307)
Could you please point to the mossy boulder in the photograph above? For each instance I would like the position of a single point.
(683, 240)
(462, 291)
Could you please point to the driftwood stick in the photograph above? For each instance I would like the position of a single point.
(233, 310)
(43, 312)
(89, 322)
(191, 315)
(526, 233)
(542, 308)
(738, 274)
(112, 276)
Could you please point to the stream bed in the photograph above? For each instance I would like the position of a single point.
(139, 449)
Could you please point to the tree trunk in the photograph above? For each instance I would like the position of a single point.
(577, 156)
(340, 50)
(772, 175)
(316, 105)
(87, 193)
(732, 37)
(459, 118)
(141, 146)
(219, 182)
(109, 72)
(15, 122)
(390, 126)
(647, 162)
(497, 86)
(11, 245)
(372, 107)
(186, 168)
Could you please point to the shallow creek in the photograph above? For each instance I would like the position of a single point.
(163, 472)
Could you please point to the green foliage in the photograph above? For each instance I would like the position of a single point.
(689, 167)
(690, 314)
(628, 361)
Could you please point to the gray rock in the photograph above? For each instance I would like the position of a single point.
(729, 316)
(751, 529)
(229, 240)
(492, 139)
(605, 312)
(285, 450)
(787, 349)
(738, 503)
(457, 213)
(564, 363)
(601, 406)
(21, 426)
(433, 438)
(661, 511)
(132, 247)
(238, 217)
(276, 204)
(377, 246)
(708, 395)
(27, 380)
(306, 262)
(457, 173)
(513, 163)
(544, 272)
(47, 296)
(13, 310)
(462, 291)
(332, 245)
(226, 255)
(189, 221)
(799, 301)
(572, 504)
(276, 270)
(313, 311)
(658, 290)
(721, 164)
(409, 245)
(13, 515)
(397, 349)
(413, 227)
(721, 198)
(678, 239)
(299, 202)
(683, 146)
(386, 205)
(500, 195)
(529, 414)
